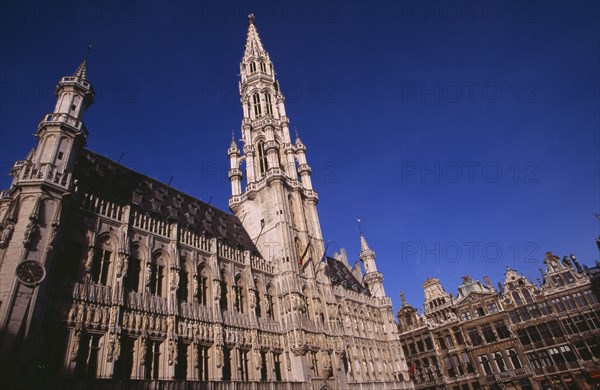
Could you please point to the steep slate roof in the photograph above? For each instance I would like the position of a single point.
(340, 275)
(116, 183)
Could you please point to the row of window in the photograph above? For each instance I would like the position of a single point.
(574, 301)
(488, 333)
(258, 107)
(420, 346)
(541, 332)
(581, 323)
(191, 288)
(562, 279)
(479, 312)
(455, 366)
(87, 361)
(261, 64)
(458, 366)
(551, 356)
(499, 361)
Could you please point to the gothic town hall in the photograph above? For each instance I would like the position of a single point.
(111, 278)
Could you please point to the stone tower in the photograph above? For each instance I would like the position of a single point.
(277, 205)
(30, 217)
(373, 279)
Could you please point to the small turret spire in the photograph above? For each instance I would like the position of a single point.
(254, 46)
(363, 243)
(81, 72)
(233, 144)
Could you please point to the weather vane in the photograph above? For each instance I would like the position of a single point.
(359, 228)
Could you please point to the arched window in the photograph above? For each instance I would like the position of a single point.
(252, 67)
(257, 300)
(408, 319)
(224, 291)
(132, 280)
(527, 295)
(500, 361)
(152, 359)
(270, 302)
(256, 102)
(268, 104)
(263, 67)
(156, 275)
(202, 292)
(183, 290)
(101, 262)
(240, 294)
(262, 159)
(517, 298)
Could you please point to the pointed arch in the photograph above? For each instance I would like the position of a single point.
(268, 103)
(155, 273)
(202, 286)
(256, 105)
(103, 260)
(225, 282)
(271, 301)
(239, 288)
(262, 159)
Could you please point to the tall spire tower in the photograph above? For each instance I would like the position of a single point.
(273, 195)
(31, 231)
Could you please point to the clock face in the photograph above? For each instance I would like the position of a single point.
(30, 272)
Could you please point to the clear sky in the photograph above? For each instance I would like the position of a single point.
(464, 135)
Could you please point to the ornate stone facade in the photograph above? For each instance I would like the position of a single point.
(109, 276)
(519, 336)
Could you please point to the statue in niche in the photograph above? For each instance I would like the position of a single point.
(6, 235)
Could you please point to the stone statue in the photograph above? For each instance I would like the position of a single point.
(29, 232)
(90, 258)
(110, 348)
(195, 285)
(148, 274)
(171, 352)
(72, 314)
(75, 346)
(174, 279)
(219, 357)
(143, 351)
(6, 235)
(217, 288)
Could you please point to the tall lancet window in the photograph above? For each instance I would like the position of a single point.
(256, 101)
(252, 67)
(263, 67)
(269, 105)
(262, 158)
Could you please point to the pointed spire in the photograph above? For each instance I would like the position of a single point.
(81, 72)
(298, 140)
(254, 47)
(363, 243)
(233, 144)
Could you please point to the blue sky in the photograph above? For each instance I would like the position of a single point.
(465, 137)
